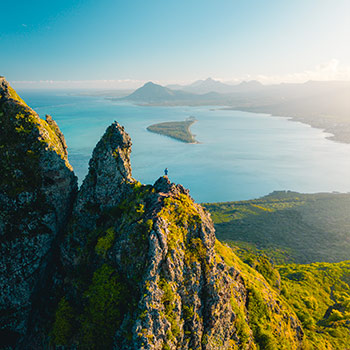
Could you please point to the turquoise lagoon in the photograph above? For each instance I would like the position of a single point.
(240, 155)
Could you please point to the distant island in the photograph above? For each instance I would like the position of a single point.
(177, 130)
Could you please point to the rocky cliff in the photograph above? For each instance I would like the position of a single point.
(37, 187)
(136, 267)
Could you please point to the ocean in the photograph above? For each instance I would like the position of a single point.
(239, 156)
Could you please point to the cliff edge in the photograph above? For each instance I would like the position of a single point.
(37, 187)
(118, 265)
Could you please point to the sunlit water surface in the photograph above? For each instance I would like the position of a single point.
(240, 155)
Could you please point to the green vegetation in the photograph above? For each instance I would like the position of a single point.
(259, 320)
(287, 226)
(105, 242)
(13, 94)
(101, 292)
(93, 321)
(63, 327)
(20, 127)
(177, 130)
(266, 309)
(168, 300)
(28, 149)
(264, 315)
(102, 314)
(277, 297)
(19, 164)
(181, 214)
(320, 295)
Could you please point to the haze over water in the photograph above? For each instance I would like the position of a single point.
(240, 155)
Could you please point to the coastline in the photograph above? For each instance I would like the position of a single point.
(339, 129)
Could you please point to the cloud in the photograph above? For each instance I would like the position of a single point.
(331, 70)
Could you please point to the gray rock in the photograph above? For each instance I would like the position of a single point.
(37, 188)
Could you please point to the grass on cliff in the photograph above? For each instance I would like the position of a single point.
(318, 293)
(177, 130)
(27, 145)
(24, 138)
(13, 94)
(102, 313)
(265, 316)
(98, 292)
(267, 327)
(19, 154)
(287, 226)
(182, 217)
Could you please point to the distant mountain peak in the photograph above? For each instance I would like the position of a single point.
(208, 85)
(251, 82)
(150, 83)
(151, 92)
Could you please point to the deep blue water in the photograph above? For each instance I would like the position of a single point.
(240, 155)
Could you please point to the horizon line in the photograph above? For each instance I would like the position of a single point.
(131, 84)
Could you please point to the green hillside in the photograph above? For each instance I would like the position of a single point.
(287, 226)
(319, 293)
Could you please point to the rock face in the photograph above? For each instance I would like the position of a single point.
(106, 184)
(108, 176)
(136, 267)
(146, 271)
(37, 187)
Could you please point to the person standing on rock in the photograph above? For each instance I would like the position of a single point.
(166, 172)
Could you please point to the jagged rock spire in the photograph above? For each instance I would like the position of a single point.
(105, 186)
(109, 170)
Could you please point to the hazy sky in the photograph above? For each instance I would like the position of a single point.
(131, 41)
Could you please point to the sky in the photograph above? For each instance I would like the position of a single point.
(123, 43)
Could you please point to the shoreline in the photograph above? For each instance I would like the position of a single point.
(339, 130)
